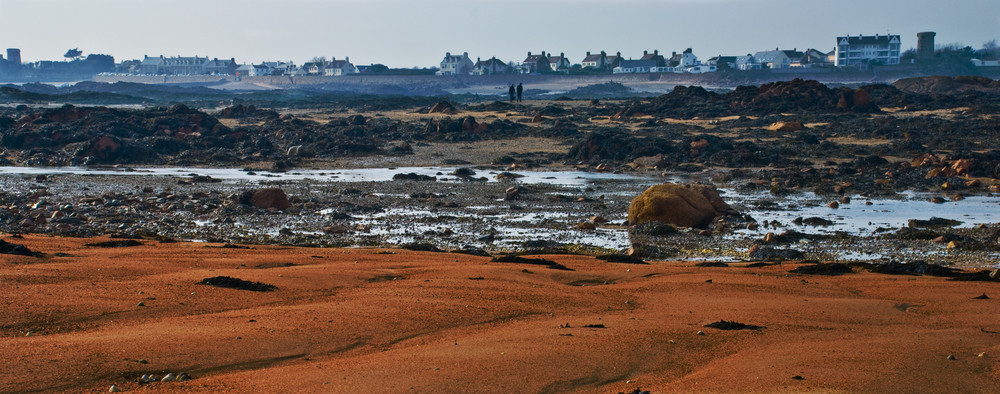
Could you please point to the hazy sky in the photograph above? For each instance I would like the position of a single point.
(402, 33)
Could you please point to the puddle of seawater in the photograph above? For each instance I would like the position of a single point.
(858, 218)
(558, 178)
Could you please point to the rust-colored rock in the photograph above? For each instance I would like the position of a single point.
(679, 205)
(270, 198)
(443, 107)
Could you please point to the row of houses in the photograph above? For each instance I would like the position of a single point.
(850, 51)
(181, 65)
(332, 67)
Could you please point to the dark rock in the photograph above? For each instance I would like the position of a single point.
(767, 253)
(813, 221)
(414, 177)
(463, 172)
(932, 223)
(270, 198)
(654, 229)
(711, 264)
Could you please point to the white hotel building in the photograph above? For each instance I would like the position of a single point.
(862, 50)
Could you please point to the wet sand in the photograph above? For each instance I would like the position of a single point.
(379, 320)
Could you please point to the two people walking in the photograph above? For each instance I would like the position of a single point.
(519, 90)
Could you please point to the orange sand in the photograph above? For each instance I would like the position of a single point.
(363, 320)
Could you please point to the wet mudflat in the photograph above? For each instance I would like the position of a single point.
(546, 211)
(83, 318)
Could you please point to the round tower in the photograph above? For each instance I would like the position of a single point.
(925, 45)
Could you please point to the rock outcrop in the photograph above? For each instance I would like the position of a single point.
(270, 198)
(679, 205)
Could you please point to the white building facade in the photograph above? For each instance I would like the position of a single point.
(864, 50)
(456, 64)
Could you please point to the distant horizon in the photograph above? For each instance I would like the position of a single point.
(401, 34)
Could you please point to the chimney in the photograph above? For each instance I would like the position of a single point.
(478, 59)
(619, 54)
(466, 54)
(347, 59)
(562, 55)
(588, 53)
(645, 52)
(447, 54)
(543, 53)
(656, 52)
(674, 54)
(529, 53)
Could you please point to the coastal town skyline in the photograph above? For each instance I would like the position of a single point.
(401, 34)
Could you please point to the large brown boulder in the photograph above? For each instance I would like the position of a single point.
(268, 198)
(443, 107)
(680, 205)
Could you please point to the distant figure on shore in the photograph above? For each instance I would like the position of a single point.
(511, 91)
(520, 90)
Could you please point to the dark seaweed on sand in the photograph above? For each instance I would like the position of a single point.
(524, 260)
(239, 284)
(116, 244)
(732, 325)
(15, 249)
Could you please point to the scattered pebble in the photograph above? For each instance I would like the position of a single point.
(951, 357)
(114, 389)
(170, 377)
(700, 332)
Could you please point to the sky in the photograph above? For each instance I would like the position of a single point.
(404, 33)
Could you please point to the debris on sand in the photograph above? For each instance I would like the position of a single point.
(534, 261)
(830, 269)
(421, 247)
(125, 243)
(620, 258)
(732, 325)
(15, 249)
(239, 284)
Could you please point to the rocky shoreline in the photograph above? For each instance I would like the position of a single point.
(799, 142)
